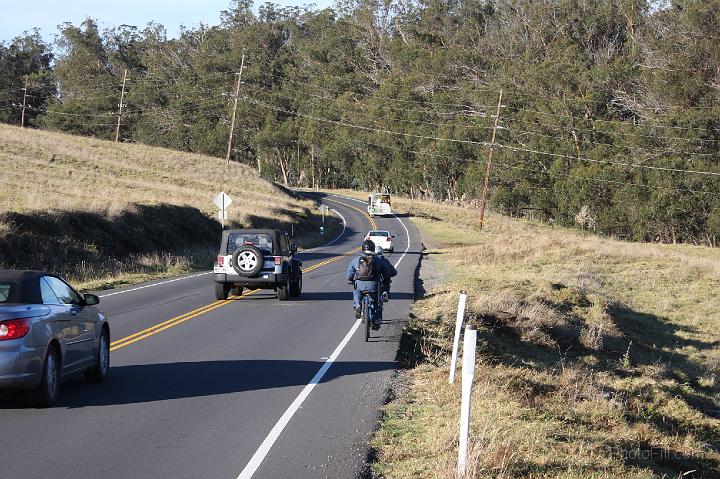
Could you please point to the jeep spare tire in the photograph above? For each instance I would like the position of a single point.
(247, 260)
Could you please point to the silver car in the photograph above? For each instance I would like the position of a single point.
(48, 332)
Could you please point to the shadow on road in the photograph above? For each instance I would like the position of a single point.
(160, 382)
(344, 296)
(307, 297)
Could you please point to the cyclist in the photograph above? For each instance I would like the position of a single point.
(366, 272)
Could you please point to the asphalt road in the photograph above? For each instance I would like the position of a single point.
(249, 387)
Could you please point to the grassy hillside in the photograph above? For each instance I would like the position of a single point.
(102, 212)
(596, 358)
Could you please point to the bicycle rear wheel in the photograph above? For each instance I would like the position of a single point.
(366, 317)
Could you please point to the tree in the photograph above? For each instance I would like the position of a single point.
(89, 86)
(26, 57)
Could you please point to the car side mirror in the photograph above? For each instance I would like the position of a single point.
(91, 299)
(293, 248)
(392, 236)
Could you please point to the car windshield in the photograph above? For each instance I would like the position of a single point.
(384, 234)
(8, 292)
(262, 241)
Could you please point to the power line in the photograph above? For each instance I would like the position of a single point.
(350, 125)
(382, 107)
(370, 115)
(609, 162)
(533, 170)
(508, 147)
(624, 124)
(374, 94)
(610, 145)
(619, 122)
(535, 96)
(615, 133)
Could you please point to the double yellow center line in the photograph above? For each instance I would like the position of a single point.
(153, 330)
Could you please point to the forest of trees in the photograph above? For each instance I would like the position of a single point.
(610, 115)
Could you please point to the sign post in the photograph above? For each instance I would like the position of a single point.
(323, 209)
(222, 201)
(468, 373)
(458, 326)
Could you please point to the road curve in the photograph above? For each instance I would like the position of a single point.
(249, 387)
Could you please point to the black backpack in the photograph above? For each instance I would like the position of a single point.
(367, 269)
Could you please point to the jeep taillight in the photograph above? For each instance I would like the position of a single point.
(220, 261)
(278, 259)
(14, 329)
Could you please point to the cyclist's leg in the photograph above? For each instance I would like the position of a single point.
(356, 302)
(376, 309)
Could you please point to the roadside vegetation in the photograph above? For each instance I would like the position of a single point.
(596, 358)
(608, 121)
(106, 214)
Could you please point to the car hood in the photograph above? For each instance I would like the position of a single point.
(15, 311)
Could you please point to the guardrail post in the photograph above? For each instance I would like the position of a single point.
(458, 326)
(468, 373)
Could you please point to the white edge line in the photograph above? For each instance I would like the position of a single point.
(333, 241)
(154, 284)
(269, 441)
(407, 248)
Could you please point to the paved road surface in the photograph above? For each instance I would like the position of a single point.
(207, 389)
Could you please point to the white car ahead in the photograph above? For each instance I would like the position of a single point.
(381, 238)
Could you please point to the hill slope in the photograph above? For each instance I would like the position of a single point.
(94, 209)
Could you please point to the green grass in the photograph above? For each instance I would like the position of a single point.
(596, 358)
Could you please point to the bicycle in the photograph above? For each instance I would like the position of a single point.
(371, 307)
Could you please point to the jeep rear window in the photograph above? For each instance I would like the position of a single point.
(262, 241)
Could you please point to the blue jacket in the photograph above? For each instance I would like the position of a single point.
(384, 269)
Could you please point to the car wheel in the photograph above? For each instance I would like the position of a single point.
(237, 291)
(46, 393)
(283, 291)
(100, 370)
(296, 286)
(247, 261)
(222, 291)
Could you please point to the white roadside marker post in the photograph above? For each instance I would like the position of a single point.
(468, 373)
(458, 326)
(323, 209)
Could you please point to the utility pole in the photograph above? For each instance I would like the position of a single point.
(297, 161)
(232, 121)
(120, 112)
(22, 117)
(312, 163)
(489, 162)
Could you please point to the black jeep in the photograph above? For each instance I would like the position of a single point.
(257, 259)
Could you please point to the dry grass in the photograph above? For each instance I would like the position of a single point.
(90, 188)
(43, 170)
(596, 358)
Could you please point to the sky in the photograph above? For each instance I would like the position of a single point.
(17, 17)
